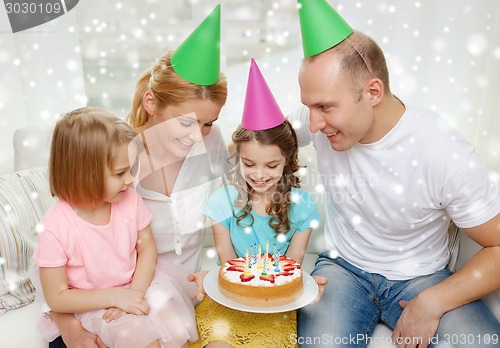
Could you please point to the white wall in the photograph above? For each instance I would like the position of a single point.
(444, 54)
(41, 76)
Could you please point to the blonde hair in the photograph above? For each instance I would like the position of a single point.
(285, 138)
(169, 88)
(84, 143)
(361, 59)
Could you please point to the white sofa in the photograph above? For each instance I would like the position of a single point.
(24, 196)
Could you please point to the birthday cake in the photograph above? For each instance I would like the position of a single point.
(261, 281)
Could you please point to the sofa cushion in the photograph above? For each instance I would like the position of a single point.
(24, 198)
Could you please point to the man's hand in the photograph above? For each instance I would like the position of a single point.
(197, 278)
(322, 281)
(417, 325)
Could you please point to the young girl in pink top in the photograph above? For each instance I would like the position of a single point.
(95, 249)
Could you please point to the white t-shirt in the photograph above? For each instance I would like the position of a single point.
(388, 203)
(178, 223)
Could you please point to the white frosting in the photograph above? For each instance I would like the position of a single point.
(234, 276)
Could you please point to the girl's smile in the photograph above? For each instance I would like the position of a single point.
(261, 165)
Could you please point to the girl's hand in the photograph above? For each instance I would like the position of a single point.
(322, 281)
(197, 278)
(113, 313)
(131, 301)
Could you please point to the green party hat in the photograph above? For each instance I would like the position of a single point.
(321, 26)
(197, 59)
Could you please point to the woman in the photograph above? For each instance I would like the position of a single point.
(178, 162)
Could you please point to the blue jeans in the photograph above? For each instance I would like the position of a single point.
(355, 301)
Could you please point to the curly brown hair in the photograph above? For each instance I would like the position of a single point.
(285, 138)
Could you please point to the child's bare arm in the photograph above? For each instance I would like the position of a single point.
(298, 245)
(297, 249)
(61, 299)
(147, 256)
(223, 244)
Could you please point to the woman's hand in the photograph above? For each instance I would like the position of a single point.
(321, 281)
(84, 339)
(73, 333)
(197, 278)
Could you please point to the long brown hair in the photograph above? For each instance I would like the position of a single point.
(169, 88)
(285, 138)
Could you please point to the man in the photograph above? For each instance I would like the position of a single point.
(394, 176)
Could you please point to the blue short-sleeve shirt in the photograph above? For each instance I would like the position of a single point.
(220, 208)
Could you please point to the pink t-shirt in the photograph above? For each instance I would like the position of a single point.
(96, 257)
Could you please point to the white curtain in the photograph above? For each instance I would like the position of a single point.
(443, 54)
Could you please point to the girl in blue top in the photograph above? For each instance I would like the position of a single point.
(261, 203)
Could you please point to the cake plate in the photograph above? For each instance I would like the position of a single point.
(211, 286)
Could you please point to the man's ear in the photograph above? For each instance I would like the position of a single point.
(375, 88)
(148, 100)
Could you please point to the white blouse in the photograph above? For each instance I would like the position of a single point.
(178, 221)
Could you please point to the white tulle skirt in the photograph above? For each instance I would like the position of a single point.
(171, 319)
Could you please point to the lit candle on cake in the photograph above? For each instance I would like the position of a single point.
(254, 253)
(259, 258)
(274, 255)
(277, 269)
(247, 263)
(267, 252)
(264, 264)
